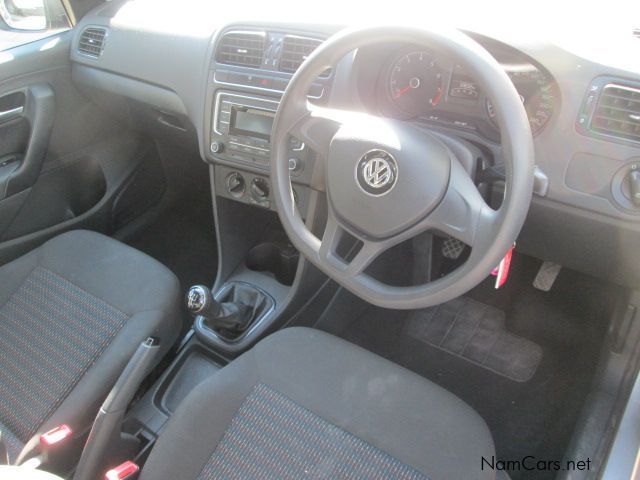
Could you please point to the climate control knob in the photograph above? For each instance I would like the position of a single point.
(259, 189)
(236, 185)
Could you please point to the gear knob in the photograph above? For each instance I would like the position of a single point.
(200, 301)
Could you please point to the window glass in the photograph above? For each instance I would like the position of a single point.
(24, 21)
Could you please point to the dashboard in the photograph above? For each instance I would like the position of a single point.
(583, 108)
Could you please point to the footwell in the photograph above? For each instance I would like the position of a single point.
(476, 332)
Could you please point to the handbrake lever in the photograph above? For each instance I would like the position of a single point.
(105, 440)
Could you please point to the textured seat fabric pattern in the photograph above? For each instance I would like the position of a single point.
(72, 313)
(273, 437)
(51, 332)
(305, 404)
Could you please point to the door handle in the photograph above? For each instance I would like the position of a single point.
(10, 114)
(37, 107)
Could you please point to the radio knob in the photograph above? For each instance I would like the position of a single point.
(236, 184)
(217, 147)
(259, 189)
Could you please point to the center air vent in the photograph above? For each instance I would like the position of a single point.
(294, 51)
(241, 48)
(618, 112)
(91, 41)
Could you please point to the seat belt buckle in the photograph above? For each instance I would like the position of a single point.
(49, 445)
(55, 436)
(125, 471)
(501, 272)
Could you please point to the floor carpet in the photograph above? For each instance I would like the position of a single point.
(534, 417)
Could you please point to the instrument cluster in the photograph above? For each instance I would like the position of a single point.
(419, 84)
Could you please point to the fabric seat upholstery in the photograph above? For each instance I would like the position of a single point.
(72, 312)
(305, 404)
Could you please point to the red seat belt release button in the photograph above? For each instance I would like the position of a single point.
(501, 272)
(55, 436)
(125, 471)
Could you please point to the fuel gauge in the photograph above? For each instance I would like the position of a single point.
(537, 92)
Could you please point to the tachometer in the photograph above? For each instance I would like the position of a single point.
(415, 83)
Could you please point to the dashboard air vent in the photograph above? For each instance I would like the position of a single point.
(241, 48)
(91, 41)
(294, 51)
(618, 112)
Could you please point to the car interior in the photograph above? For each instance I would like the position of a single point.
(249, 241)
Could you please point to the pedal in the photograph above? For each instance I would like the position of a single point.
(452, 248)
(546, 276)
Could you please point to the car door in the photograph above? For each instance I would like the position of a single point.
(65, 162)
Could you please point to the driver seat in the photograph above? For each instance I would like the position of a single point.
(305, 404)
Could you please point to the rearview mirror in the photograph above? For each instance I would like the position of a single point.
(24, 14)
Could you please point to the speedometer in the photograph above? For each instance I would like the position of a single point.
(415, 83)
(537, 92)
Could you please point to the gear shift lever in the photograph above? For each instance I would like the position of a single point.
(200, 301)
(228, 316)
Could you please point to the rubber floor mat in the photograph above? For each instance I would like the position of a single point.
(476, 332)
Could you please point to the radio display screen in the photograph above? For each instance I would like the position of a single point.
(252, 122)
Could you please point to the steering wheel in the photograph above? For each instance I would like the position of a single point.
(387, 181)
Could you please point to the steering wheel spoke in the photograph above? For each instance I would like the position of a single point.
(463, 213)
(352, 265)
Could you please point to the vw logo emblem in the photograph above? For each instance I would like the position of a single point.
(376, 172)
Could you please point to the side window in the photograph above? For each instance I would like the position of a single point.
(24, 21)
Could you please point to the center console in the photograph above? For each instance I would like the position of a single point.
(249, 71)
(240, 140)
(262, 283)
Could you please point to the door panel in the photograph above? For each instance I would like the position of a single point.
(64, 161)
(60, 195)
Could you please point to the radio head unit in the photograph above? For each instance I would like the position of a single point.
(241, 129)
